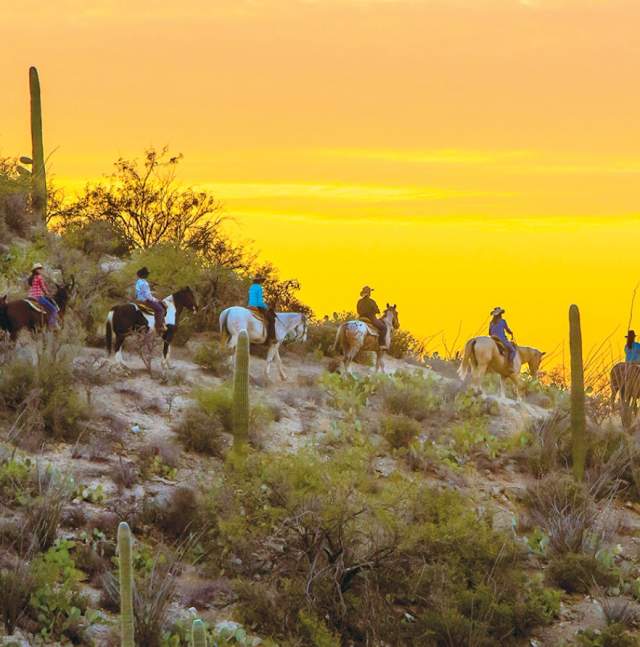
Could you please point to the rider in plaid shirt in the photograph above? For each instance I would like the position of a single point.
(38, 291)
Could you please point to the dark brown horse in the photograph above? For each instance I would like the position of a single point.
(19, 314)
(625, 379)
(129, 318)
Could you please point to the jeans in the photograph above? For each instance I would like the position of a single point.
(52, 310)
(158, 311)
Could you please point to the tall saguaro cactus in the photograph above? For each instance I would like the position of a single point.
(241, 392)
(126, 585)
(578, 416)
(39, 178)
(198, 634)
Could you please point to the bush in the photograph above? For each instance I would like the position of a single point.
(411, 394)
(181, 514)
(404, 345)
(577, 572)
(399, 430)
(200, 432)
(614, 635)
(17, 585)
(213, 357)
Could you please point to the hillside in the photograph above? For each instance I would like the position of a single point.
(358, 455)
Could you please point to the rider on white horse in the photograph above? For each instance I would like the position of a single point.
(368, 310)
(256, 300)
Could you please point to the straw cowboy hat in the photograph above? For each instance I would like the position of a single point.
(366, 290)
(497, 311)
(37, 266)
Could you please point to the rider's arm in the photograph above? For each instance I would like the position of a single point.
(506, 327)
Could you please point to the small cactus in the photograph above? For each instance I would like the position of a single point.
(126, 585)
(39, 177)
(241, 392)
(578, 416)
(198, 634)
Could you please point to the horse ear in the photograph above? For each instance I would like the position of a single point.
(395, 306)
(543, 352)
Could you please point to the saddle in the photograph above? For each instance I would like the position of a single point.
(371, 329)
(35, 305)
(502, 349)
(258, 314)
(147, 309)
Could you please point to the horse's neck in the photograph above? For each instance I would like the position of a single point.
(388, 319)
(526, 352)
(289, 320)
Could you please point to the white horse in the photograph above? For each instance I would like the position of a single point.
(356, 335)
(291, 325)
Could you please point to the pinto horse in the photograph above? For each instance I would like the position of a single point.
(356, 335)
(21, 313)
(482, 355)
(128, 318)
(292, 325)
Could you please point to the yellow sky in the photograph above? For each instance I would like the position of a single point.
(456, 154)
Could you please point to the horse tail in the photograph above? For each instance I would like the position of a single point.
(469, 359)
(224, 331)
(109, 331)
(339, 338)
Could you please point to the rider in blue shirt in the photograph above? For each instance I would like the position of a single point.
(632, 349)
(499, 328)
(256, 300)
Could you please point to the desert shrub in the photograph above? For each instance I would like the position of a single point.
(405, 345)
(578, 572)
(94, 239)
(549, 445)
(321, 537)
(321, 338)
(16, 479)
(17, 585)
(17, 379)
(349, 393)
(201, 432)
(411, 394)
(399, 430)
(180, 515)
(213, 357)
(615, 635)
(57, 604)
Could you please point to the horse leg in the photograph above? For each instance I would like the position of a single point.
(516, 382)
(379, 361)
(502, 389)
(118, 349)
(283, 375)
(271, 353)
(166, 348)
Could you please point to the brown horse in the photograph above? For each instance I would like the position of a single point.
(19, 314)
(354, 336)
(128, 318)
(625, 379)
(482, 355)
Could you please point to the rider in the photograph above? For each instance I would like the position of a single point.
(256, 300)
(632, 349)
(144, 295)
(39, 291)
(368, 309)
(499, 328)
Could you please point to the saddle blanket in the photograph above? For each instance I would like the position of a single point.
(37, 307)
(149, 315)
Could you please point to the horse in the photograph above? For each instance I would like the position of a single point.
(25, 313)
(356, 335)
(292, 325)
(128, 318)
(625, 379)
(482, 355)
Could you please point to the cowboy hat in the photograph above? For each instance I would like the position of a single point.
(259, 279)
(366, 290)
(631, 334)
(37, 266)
(497, 311)
(143, 272)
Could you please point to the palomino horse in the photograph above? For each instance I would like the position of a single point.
(23, 313)
(625, 379)
(355, 336)
(482, 355)
(128, 318)
(292, 325)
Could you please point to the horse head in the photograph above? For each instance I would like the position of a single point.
(391, 312)
(186, 299)
(534, 361)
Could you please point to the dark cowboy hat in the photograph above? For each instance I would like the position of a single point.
(366, 288)
(497, 311)
(259, 279)
(143, 272)
(631, 334)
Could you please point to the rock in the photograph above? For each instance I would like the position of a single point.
(111, 264)
(503, 520)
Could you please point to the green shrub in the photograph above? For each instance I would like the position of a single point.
(213, 357)
(615, 635)
(399, 430)
(201, 432)
(411, 394)
(577, 572)
(94, 239)
(404, 345)
(17, 585)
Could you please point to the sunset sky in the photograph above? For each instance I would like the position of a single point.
(454, 154)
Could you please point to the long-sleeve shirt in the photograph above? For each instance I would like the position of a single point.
(38, 287)
(368, 308)
(632, 354)
(256, 298)
(143, 291)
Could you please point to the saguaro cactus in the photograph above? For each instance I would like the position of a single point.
(241, 392)
(39, 178)
(198, 634)
(578, 416)
(126, 585)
